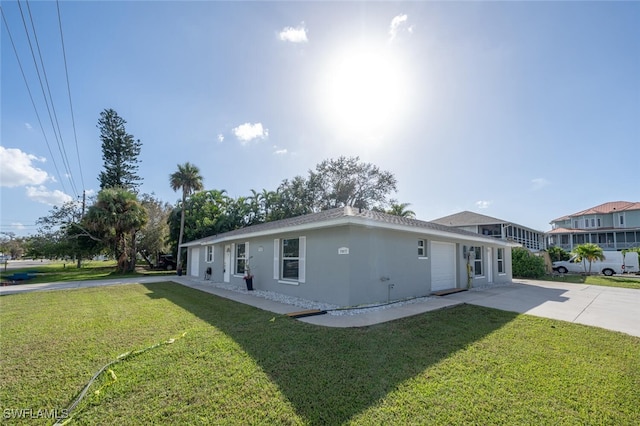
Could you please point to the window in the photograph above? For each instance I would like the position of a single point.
(289, 263)
(477, 261)
(290, 259)
(422, 248)
(501, 261)
(599, 223)
(575, 224)
(621, 216)
(593, 223)
(241, 258)
(209, 254)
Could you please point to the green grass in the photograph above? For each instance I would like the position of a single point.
(240, 365)
(625, 281)
(67, 271)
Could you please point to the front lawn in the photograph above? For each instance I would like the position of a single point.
(239, 365)
(67, 271)
(624, 281)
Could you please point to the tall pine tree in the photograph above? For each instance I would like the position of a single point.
(119, 153)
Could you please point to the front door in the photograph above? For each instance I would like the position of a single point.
(195, 262)
(227, 263)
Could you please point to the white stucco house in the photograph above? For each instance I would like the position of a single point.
(351, 257)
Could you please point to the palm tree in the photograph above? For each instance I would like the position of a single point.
(117, 214)
(588, 252)
(188, 179)
(401, 210)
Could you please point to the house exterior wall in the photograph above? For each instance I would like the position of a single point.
(606, 230)
(380, 265)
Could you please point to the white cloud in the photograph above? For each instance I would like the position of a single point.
(483, 204)
(280, 151)
(539, 183)
(42, 195)
(294, 35)
(247, 132)
(28, 126)
(17, 225)
(397, 24)
(17, 168)
(220, 137)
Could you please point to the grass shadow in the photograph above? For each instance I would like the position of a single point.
(330, 375)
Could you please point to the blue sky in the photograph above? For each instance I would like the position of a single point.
(525, 111)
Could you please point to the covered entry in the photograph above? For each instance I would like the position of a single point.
(443, 266)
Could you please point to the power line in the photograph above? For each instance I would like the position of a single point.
(73, 121)
(24, 77)
(61, 147)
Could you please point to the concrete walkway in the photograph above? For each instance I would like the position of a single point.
(612, 308)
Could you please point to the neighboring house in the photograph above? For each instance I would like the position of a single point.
(496, 228)
(613, 226)
(350, 257)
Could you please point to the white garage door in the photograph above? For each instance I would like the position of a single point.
(443, 266)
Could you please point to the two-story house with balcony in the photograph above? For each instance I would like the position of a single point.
(613, 226)
(496, 228)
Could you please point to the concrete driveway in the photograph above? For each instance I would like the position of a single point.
(612, 308)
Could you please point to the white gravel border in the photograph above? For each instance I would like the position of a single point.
(330, 308)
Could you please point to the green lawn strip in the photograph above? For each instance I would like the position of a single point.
(625, 281)
(91, 270)
(240, 365)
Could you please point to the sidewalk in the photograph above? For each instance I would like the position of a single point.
(613, 308)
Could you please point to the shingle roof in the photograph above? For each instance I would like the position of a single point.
(327, 217)
(606, 208)
(468, 218)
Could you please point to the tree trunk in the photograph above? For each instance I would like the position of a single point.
(132, 266)
(122, 254)
(179, 257)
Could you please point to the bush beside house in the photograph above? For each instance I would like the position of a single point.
(526, 264)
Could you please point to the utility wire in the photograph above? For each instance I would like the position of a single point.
(66, 71)
(24, 77)
(61, 147)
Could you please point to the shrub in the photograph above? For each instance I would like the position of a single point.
(525, 264)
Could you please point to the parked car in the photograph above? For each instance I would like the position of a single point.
(614, 263)
(166, 261)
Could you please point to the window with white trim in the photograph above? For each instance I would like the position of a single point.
(209, 255)
(422, 248)
(290, 258)
(241, 258)
(477, 261)
(500, 257)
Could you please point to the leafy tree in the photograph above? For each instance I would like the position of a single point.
(588, 252)
(115, 218)
(346, 181)
(558, 254)
(154, 235)
(119, 153)
(62, 227)
(11, 245)
(292, 198)
(187, 178)
(525, 264)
